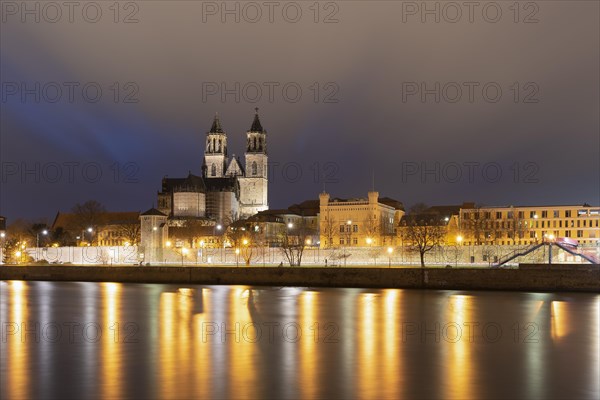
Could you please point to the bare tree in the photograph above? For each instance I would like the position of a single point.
(294, 240)
(516, 226)
(130, 233)
(372, 228)
(422, 234)
(246, 240)
(10, 247)
(329, 228)
(23, 231)
(88, 215)
(480, 226)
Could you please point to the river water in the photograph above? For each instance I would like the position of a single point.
(110, 340)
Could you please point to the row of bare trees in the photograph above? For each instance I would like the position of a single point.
(89, 214)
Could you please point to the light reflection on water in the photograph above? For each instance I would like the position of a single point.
(18, 357)
(165, 341)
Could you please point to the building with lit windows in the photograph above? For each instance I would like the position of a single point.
(358, 222)
(526, 225)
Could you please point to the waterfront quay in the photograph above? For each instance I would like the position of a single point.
(528, 277)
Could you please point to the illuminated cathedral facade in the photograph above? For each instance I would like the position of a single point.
(227, 189)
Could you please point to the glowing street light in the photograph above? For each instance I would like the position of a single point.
(37, 237)
(459, 239)
(290, 225)
(184, 251)
(390, 250)
(168, 243)
(83, 231)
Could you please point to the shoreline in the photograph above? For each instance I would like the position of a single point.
(529, 277)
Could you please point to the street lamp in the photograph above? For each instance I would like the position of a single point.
(237, 261)
(459, 239)
(37, 237)
(2, 237)
(349, 236)
(184, 251)
(201, 252)
(390, 250)
(83, 231)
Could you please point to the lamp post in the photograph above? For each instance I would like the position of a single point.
(459, 240)
(349, 236)
(2, 237)
(308, 243)
(21, 252)
(168, 246)
(184, 251)
(220, 243)
(390, 250)
(83, 231)
(37, 237)
(201, 252)
(237, 261)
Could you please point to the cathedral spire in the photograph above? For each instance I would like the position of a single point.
(256, 126)
(216, 125)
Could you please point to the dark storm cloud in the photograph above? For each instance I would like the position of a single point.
(363, 120)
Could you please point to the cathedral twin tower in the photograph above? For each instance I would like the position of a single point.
(226, 191)
(252, 177)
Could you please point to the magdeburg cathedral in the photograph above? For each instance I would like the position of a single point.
(226, 190)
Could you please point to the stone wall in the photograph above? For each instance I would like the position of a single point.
(575, 278)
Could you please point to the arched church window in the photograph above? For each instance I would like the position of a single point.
(213, 170)
(254, 168)
(255, 143)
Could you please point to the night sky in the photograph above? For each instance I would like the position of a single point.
(366, 66)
